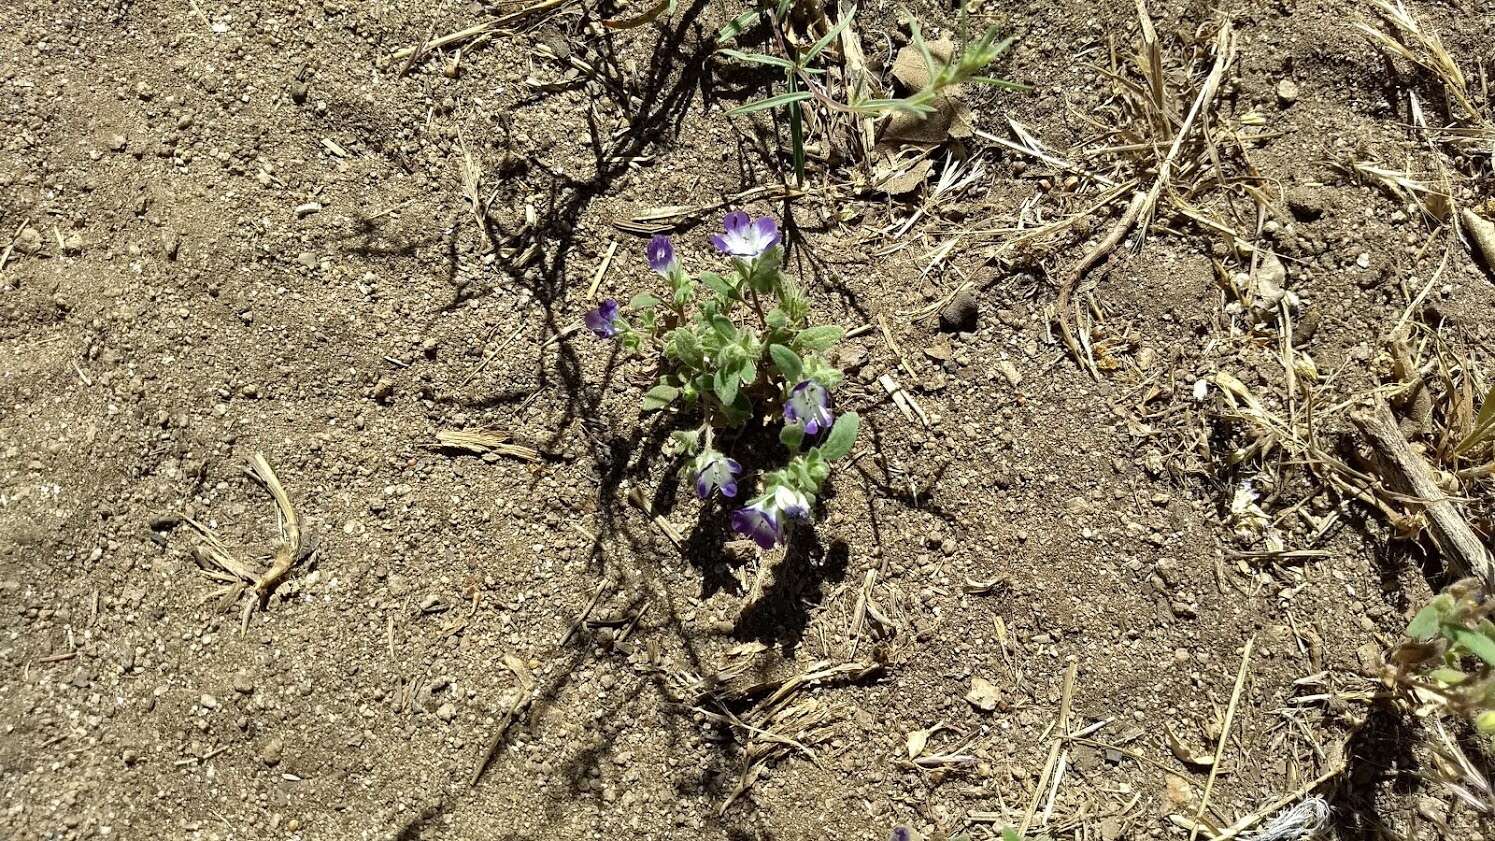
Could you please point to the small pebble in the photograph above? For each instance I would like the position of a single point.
(271, 751)
(1287, 91)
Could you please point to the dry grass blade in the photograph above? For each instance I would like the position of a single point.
(1214, 771)
(410, 56)
(1404, 37)
(659, 220)
(1224, 57)
(290, 548)
(480, 441)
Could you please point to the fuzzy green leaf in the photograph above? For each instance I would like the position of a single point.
(1424, 624)
(787, 362)
(792, 436)
(716, 283)
(820, 338)
(659, 397)
(688, 347)
(725, 385)
(1476, 643)
(724, 327)
(842, 437)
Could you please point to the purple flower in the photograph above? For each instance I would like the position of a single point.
(763, 518)
(760, 521)
(746, 237)
(604, 320)
(661, 253)
(809, 403)
(714, 470)
(791, 503)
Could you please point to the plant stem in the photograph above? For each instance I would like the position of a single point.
(758, 305)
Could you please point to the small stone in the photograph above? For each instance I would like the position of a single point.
(447, 711)
(298, 92)
(208, 702)
(29, 240)
(384, 389)
(171, 244)
(118, 142)
(961, 314)
(271, 751)
(307, 259)
(243, 683)
(1287, 91)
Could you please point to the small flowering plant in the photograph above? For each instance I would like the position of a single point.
(733, 346)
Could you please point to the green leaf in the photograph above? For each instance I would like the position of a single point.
(842, 437)
(748, 373)
(792, 436)
(788, 362)
(659, 397)
(643, 301)
(683, 442)
(688, 347)
(818, 338)
(725, 386)
(771, 102)
(765, 272)
(1424, 624)
(1450, 676)
(827, 38)
(1476, 643)
(759, 58)
(724, 327)
(736, 26)
(716, 283)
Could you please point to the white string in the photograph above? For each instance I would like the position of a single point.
(1299, 823)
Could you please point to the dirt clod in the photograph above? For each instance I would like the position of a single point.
(961, 314)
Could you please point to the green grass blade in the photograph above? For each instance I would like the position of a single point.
(827, 38)
(771, 102)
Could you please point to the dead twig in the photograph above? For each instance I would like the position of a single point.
(1409, 473)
